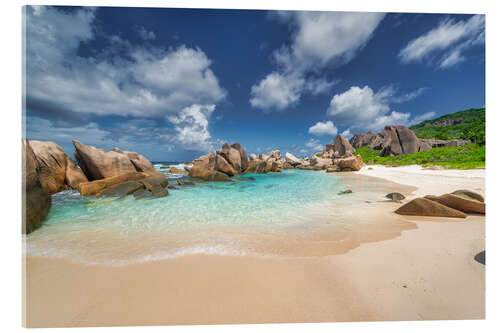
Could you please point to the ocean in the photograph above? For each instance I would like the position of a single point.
(243, 217)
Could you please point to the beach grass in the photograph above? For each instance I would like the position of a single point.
(471, 156)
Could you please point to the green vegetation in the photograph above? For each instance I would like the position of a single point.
(471, 128)
(319, 154)
(471, 156)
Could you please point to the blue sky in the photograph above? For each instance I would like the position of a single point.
(173, 84)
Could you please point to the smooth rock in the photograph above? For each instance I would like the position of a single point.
(395, 196)
(426, 207)
(35, 200)
(469, 194)
(354, 163)
(459, 203)
(52, 162)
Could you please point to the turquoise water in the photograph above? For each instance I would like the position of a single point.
(216, 218)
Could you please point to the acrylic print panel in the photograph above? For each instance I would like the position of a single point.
(195, 166)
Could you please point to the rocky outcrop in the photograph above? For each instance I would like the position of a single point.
(243, 155)
(342, 147)
(469, 194)
(253, 157)
(230, 160)
(292, 160)
(74, 175)
(395, 196)
(339, 148)
(353, 163)
(35, 200)
(146, 185)
(97, 164)
(56, 170)
(434, 143)
(320, 162)
(459, 203)
(208, 174)
(426, 207)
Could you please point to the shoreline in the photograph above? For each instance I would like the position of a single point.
(409, 276)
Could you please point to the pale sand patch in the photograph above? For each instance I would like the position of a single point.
(433, 182)
(428, 273)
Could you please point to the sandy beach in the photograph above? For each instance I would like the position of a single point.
(423, 272)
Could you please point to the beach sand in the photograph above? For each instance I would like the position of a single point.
(424, 272)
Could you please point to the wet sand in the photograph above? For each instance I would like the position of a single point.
(427, 272)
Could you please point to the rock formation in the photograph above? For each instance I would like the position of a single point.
(56, 170)
(230, 160)
(35, 200)
(97, 164)
(353, 163)
(426, 207)
(459, 203)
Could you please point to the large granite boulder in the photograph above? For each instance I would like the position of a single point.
(35, 200)
(140, 163)
(426, 207)
(231, 155)
(320, 162)
(230, 160)
(222, 165)
(243, 155)
(459, 203)
(74, 175)
(258, 166)
(97, 164)
(200, 172)
(400, 140)
(52, 163)
(96, 186)
(56, 169)
(353, 163)
(469, 194)
(357, 140)
(292, 160)
(342, 147)
(253, 157)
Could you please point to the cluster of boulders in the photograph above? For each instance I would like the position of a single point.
(397, 140)
(48, 169)
(232, 160)
(456, 204)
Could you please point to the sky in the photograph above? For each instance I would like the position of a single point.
(174, 84)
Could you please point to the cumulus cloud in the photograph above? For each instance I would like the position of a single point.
(121, 79)
(146, 34)
(361, 109)
(319, 39)
(451, 37)
(347, 134)
(276, 91)
(191, 125)
(326, 128)
(314, 145)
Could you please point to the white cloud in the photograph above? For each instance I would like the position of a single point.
(457, 35)
(361, 109)
(422, 117)
(326, 128)
(314, 145)
(145, 34)
(347, 134)
(276, 91)
(319, 39)
(121, 79)
(191, 126)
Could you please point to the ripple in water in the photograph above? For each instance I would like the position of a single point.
(209, 218)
